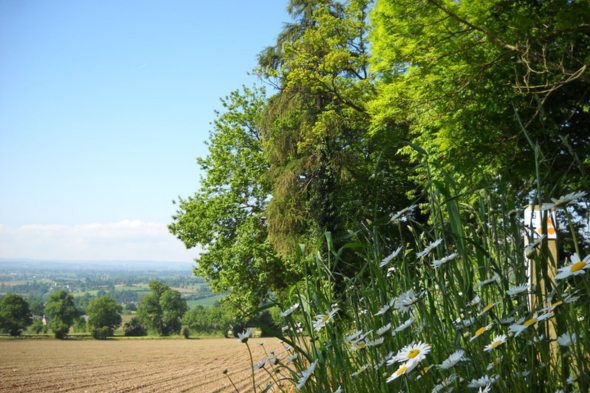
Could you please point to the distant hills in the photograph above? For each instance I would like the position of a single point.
(140, 266)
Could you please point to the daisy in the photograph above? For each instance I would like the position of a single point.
(411, 352)
(321, 320)
(339, 390)
(305, 374)
(429, 248)
(360, 371)
(243, 337)
(576, 267)
(484, 381)
(485, 389)
(573, 378)
(353, 336)
(496, 342)
(517, 290)
(382, 330)
(569, 297)
(566, 340)
(488, 281)
(494, 363)
(487, 308)
(439, 262)
(289, 310)
(480, 331)
(446, 382)
(397, 215)
(476, 300)
(383, 310)
(374, 343)
(385, 261)
(406, 300)
(563, 201)
(404, 325)
(452, 360)
(403, 369)
(459, 323)
(518, 328)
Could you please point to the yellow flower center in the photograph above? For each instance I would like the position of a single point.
(530, 321)
(360, 346)
(556, 303)
(576, 267)
(401, 371)
(325, 318)
(413, 353)
(481, 330)
(497, 361)
(488, 307)
(496, 343)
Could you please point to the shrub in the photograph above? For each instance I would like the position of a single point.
(134, 328)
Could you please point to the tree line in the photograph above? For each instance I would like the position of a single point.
(163, 312)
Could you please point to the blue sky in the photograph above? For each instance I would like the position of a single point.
(104, 107)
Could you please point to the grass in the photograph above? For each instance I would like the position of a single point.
(205, 302)
(450, 305)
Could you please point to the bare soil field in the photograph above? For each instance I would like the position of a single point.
(129, 365)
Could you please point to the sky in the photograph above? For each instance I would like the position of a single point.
(104, 108)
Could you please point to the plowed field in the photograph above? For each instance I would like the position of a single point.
(128, 365)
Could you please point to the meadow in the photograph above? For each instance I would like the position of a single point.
(131, 365)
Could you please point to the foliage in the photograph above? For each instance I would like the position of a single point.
(452, 309)
(37, 327)
(186, 332)
(480, 82)
(134, 328)
(62, 311)
(162, 311)
(104, 313)
(15, 315)
(227, 216)
(100, 333)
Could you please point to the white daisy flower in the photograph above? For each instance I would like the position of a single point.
(321, 320)
(573, 378)
(385, 261)
(484, 389)
(480, 331)
(397, 215)
(261, 364)
(482, 382)
(374, 343)
(476, 300)
(243, 337)
(383, 310)
(459, 323)
(403, 369)
(404, 325)
(452, 360)
(496, 342)
(487, 308)
(495, 362)
(353, 336)
(506, 321)
(305, 374)
(360, 371)
(494, 278)
(406, 300)
(576, 267)
(429, 248)
(382, 330)
(517, 290)
(445, 382)
(289, 310)
(563, 201)
(339, 390)
(439, 262)
(566, 340)
(410, 353)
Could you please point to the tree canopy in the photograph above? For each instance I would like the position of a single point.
(162, 310)
(104, 313)
(15, 315)
(61, 311)
(371, 103)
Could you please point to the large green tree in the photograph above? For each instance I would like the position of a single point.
(227, 216)
(162, 310)
(481, 83)
(105, 314)
(15, 315)
(61, 311)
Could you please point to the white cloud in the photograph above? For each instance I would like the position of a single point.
(123, 240)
